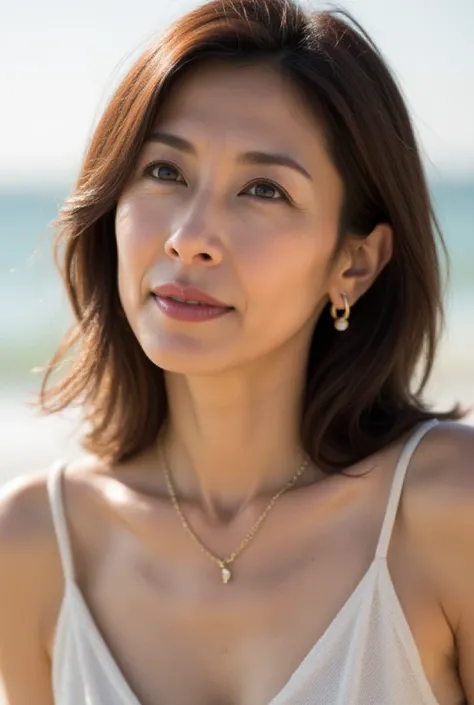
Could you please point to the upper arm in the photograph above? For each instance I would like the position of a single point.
(449, 540)
(26, 562)
(463, 579)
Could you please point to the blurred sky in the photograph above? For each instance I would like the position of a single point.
(61, 59)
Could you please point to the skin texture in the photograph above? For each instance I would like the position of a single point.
(235, 383)
(234, 386)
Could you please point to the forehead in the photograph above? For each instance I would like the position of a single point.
(254, 104)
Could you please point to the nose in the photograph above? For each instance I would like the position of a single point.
(195, 239)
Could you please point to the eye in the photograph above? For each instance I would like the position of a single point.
(161, 171)
(267, 190)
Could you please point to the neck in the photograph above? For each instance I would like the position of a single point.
(233, 441)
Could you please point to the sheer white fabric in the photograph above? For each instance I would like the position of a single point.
(367, 656)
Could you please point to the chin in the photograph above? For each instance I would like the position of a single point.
(183, 355)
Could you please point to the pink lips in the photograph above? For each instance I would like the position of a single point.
(187, 293)
(207, 308)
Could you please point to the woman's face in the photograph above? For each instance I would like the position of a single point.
(254, 234)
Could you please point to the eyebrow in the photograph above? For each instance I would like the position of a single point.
(246, 158)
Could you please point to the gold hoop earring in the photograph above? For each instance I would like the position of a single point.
(341, 322)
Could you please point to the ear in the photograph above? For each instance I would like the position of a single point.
(360, 263)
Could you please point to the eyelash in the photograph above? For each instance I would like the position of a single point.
(285, 197)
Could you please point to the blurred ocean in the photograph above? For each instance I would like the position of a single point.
(34, 312)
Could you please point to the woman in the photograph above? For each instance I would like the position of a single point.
(269, 513)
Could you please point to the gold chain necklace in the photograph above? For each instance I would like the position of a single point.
(223, 563)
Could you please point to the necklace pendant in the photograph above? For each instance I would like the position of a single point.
(226, 575)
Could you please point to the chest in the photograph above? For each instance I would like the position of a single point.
(179, 635)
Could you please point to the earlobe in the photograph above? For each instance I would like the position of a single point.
(341, 323)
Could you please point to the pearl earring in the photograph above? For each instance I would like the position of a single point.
(341, 323)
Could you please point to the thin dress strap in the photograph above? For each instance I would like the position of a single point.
(397, 485)
(55, 493)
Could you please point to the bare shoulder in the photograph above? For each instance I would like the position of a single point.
(25, 518)
(444, 501)
(29, 554)
(25, 511)
(444, 466)
(438, 510)
(31, 584)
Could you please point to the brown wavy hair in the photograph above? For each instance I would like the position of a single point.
(358, 395)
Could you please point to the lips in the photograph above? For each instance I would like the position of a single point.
(187, 294)
(189, 312)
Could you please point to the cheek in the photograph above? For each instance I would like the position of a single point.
(287, 267)
(138, 239)
(135, 227)
(133, 233)
(294, 288)
(284, 283)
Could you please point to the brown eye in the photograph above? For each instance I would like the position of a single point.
(161, 171)
(266, 190)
